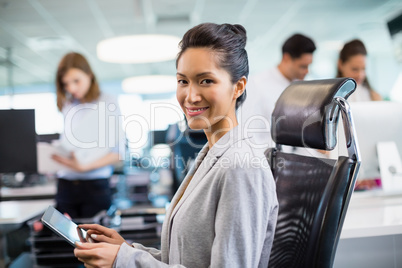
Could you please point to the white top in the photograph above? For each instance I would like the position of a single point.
(92, 130)
(361, 93)
(263, 90)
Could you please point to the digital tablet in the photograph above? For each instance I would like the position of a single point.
(63, 226)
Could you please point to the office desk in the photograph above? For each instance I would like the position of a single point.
(46, 191)
(372, 231)
(15, 213)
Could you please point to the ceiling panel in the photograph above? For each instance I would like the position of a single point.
(40, 32)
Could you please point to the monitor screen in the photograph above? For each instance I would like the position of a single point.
(17, 141)
(376, 121)
(395, 30)
(395, 25)
(157, 137)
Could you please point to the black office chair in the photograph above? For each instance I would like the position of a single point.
(313, 193)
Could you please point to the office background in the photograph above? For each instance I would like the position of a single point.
(37, 33)
(34, 34)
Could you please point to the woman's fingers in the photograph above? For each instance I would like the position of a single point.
(96, 255)
(101, 238)
(89, 235)
(116, 239)
(98, 228)
(79, 245)
(83, 250)
(100, 233)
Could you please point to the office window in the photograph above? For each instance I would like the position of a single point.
(5, 102)
(141, 116)
(48, 119)
(138, 116)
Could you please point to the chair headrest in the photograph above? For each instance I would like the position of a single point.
(306, 114)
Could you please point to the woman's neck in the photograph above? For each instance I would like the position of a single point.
(218, 130)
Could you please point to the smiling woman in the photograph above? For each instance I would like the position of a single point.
(205, 92)
(212, 77)
(224, 213)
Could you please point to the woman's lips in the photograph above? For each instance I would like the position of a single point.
(194, 111)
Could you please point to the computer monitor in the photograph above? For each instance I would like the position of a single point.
(395, 30)
(157, 137)
(376, 121)
(17, 141)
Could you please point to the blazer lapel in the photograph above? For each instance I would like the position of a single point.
(178, 196)
(205, 160)
(202, 165)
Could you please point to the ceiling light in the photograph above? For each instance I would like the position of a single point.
(44, 43)
(331, 45)
(138, 48)
(150, 84)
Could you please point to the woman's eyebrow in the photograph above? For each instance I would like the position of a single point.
(204, 73)
(197, 75)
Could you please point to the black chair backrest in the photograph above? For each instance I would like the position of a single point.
(306, 114)
(313, 193)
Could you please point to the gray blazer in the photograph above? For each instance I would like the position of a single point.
(223, 215)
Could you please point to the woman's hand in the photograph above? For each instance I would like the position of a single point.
(70, 162)
(100, 233)
(97, 255)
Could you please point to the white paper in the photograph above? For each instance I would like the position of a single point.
(46, 165)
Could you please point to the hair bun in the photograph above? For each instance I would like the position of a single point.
(240, 31)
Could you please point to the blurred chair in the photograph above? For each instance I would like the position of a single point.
(313, 193)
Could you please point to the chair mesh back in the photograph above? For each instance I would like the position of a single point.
(301, 182)
(313, 193)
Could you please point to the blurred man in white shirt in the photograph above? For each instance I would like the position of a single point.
(264, 89)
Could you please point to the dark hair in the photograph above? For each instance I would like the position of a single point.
(298, 44)
(350, 49)
(228, 41)
(77, 61)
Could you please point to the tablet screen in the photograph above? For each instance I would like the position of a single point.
(63, 226)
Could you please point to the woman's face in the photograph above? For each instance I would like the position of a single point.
(205, 91)
(354, 67)
(76, 82)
